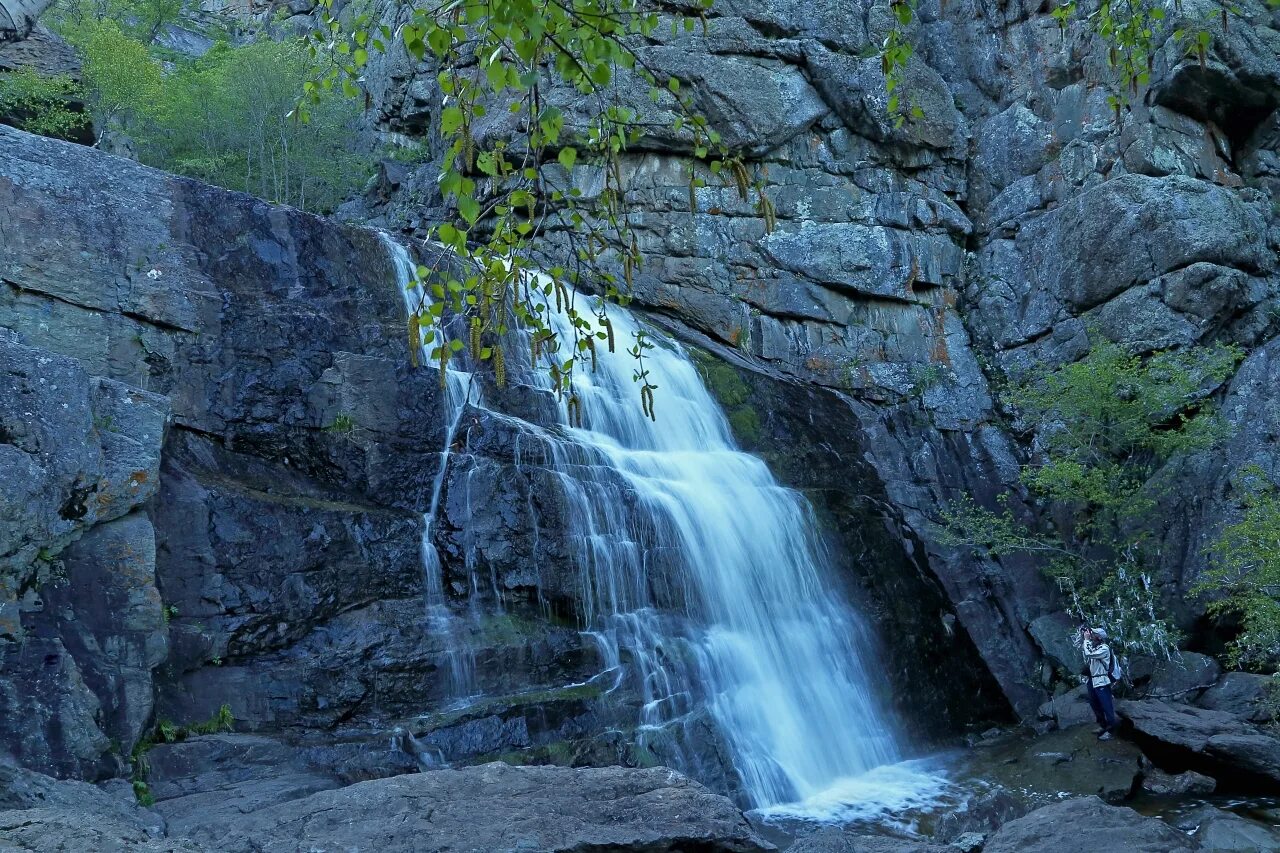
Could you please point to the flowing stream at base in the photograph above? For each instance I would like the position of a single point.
(746, 623)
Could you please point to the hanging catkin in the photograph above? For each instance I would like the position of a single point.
(499, 367)
(415, 339)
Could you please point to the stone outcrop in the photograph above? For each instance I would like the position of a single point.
(1243, 694)
(1219, 830)
(267, 454)
(18, 17)
(524, 808)
(1086, 823)
(220, 804)
(1215, 742)
(81, 623)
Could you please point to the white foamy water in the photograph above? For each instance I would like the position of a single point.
(889, 795)
(706, 575)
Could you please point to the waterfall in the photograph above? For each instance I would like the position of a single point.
(710, 577)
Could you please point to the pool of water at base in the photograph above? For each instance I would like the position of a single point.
(902, 799)
(1177, 810)
(906, 799)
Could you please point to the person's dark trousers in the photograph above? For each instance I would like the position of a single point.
(1104, 708)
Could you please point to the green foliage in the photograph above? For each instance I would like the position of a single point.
(1105, 426)
(1245, 580)
(1271, 701)
(1106, 421)
(166, 731)
(497, 64)
(225, 119)
(39, 103)
(342, 423)
(895, 56)
(122, 83)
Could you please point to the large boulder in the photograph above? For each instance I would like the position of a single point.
(497, 807)
(1183, 677)
(39, 814)
(981, 816)
(63, 830)
(1218, 831)
(1217, 743)
(1086, 824)
(1055, 634)
(1244, 694)
(1069, 709)
(17, 17)
(1188, 783)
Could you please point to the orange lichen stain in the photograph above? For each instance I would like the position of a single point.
(735, 335)
(137, 478)
(910, 286)
(1226, 179)
(938, 353)
(817, 363)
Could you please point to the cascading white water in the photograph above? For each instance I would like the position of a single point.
(459, 391)
(712, 578)
(777, 654)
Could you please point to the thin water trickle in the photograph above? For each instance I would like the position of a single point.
(711, 577)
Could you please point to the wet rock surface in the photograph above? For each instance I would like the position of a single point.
(1086, 824)
(1215, 829)
(1071, 762)
(842, 841)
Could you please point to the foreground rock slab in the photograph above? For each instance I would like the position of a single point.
(1086, 824)
(839, 841)
(1221, 743)
(494, 808)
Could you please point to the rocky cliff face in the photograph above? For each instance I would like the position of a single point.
(914, 266)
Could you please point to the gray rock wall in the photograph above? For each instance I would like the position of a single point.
(913, 266)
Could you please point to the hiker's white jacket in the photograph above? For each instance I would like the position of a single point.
(1098, 657)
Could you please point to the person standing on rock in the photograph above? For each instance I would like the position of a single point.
(1099, 666)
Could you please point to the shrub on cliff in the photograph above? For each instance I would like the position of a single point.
(1245, 580)
(42, 103)
(227, 119)
(1105, 426)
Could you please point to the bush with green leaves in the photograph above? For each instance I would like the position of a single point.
(227, 119)
(43, 104)
(1244, 582)
(1105, 426)
(122, 83)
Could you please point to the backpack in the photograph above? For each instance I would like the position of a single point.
(1115, 671)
